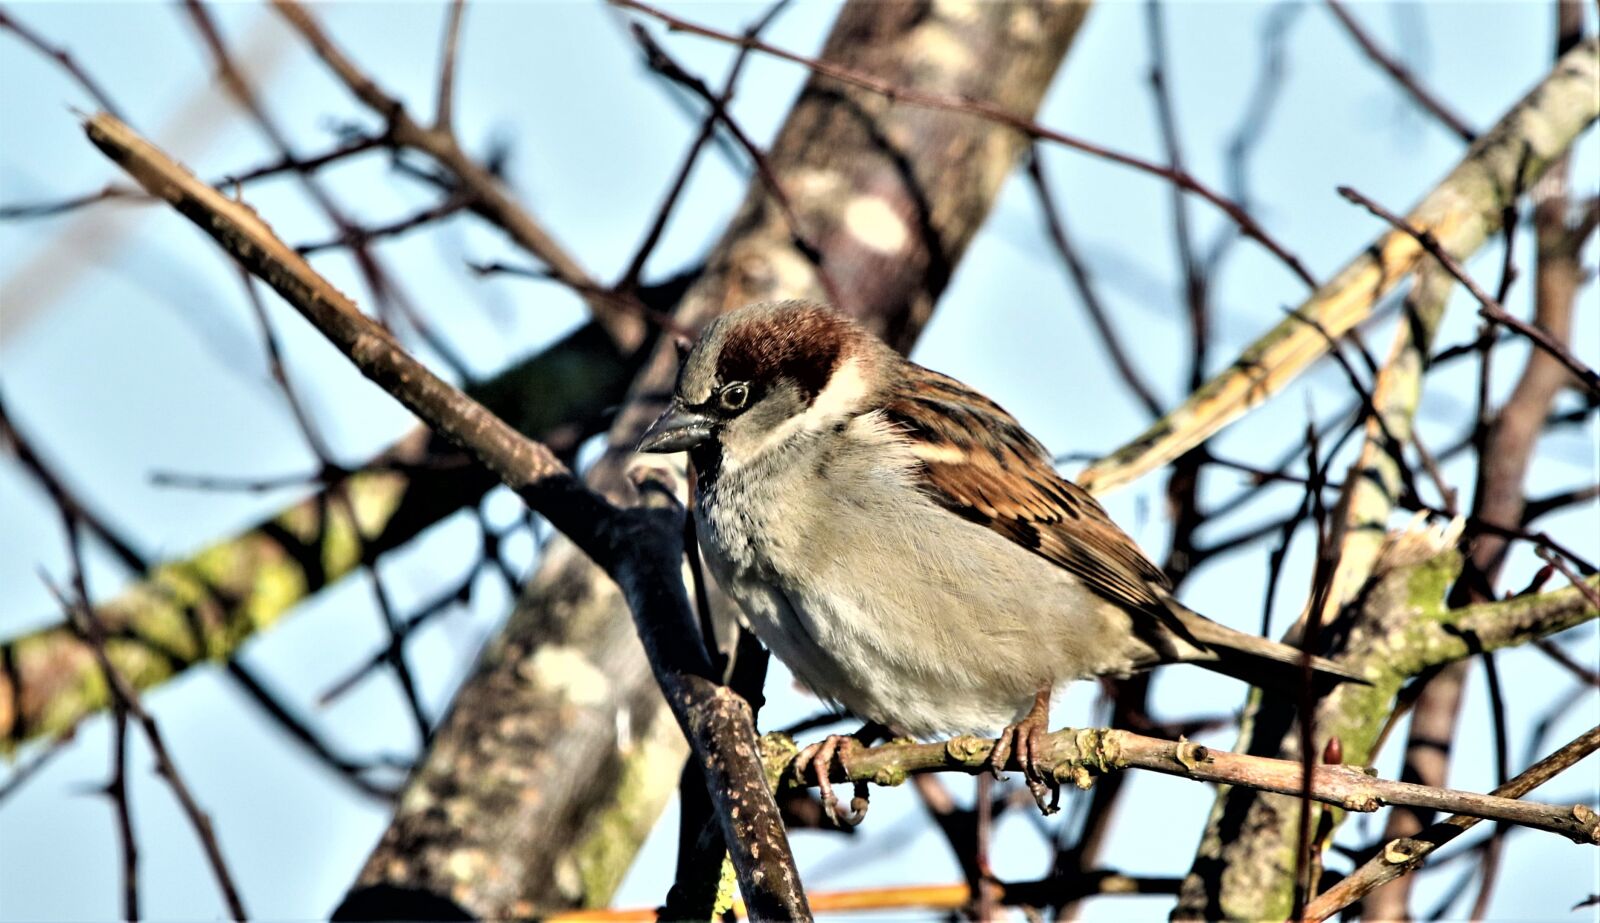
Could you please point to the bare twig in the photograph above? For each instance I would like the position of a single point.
(1461, 211)
(62, 57)
(359, 236)
(1077, 754)
(989, 111)
(82, 617)
(117, 791)
(1402, 75)
(489, 197)
(1401, 857)
(1489, 309)
(444, 120)
(387, 294)
(112, 191)
(1079, 274)
(630, 276)
(275, 709)
(663, 63)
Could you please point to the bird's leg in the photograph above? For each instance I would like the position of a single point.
(1026, 739)
(822, 755)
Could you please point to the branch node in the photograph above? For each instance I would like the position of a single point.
(1191, 754)
(967, 748)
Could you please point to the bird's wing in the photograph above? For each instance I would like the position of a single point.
(979, 463)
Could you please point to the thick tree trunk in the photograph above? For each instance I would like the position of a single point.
(559, 753)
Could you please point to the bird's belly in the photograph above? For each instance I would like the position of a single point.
(897, 609)
(840, 651)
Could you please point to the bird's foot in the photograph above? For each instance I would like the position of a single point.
(821, 757)
(1026, 740)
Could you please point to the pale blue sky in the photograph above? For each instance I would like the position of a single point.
(140, 355)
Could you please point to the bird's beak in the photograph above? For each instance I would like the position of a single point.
(677, 430)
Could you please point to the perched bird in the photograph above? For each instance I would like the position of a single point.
(907, 549)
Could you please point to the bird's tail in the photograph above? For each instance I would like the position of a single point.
(1258, 661)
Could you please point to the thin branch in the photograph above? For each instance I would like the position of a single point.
(1078, 272)
(438, 606)
(1402, 75)
(282, 164)
(117, 791)
(1585, 674)
(269, 702)
(630, 276)
(395, 656)
(13, 439)
(1550, 503)
(62, 57)
(19, 774)
(280, 375)
(489, 196)
(1461, 209)
(1489, 309)
(360, 236)
(82, 617)
(385, 291)
(1077, 755)
(1579, 583)
(991, 112)
(663, 63)
(444, 119)
(1403, 856)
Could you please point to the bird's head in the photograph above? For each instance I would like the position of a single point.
(764, 375)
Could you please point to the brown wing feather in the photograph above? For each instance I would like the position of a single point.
(978, 462)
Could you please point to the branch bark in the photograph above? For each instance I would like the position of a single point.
(1078, 755)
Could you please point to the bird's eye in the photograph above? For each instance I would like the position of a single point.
(734, 396)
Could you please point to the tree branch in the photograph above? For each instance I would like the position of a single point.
(1078, 755)
(1404, 856)
(984, 109)
(620, 315)
(1402, 75)
(1461, 212)
(640, 547)
(1489, 308)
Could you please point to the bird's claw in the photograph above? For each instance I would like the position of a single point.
(1026, 739)
(820, 757)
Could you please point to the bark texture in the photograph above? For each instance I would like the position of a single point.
(553, 762)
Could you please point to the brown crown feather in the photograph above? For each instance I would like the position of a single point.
(799, 342)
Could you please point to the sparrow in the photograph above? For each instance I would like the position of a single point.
(908, 550)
